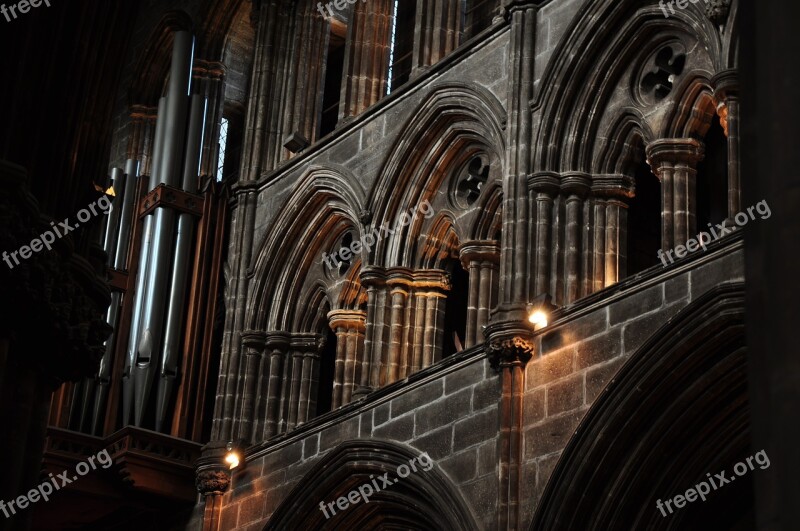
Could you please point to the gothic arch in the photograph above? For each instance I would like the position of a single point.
(423, 500)
(581, 82)
(323, 203)
(685, 387)
(452, 117)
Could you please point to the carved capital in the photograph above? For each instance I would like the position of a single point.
(506, 351)
(212, 482)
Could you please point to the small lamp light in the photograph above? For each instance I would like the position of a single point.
(232, 458)
(539, 311)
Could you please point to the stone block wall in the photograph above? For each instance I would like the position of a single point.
(579, 354)
(450, 412)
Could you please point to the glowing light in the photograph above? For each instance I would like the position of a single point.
(538, 318)
(232, 459)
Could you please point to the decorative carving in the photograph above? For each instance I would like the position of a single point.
(661, 71)
(509, 350)
(212, 482)
(470, 181)
(717, 11)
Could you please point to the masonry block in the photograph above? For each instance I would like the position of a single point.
(311, 446)
(477, 428)
(636, 304)
(551, 366)
(438, 443)
(340, 432)
(726, 268)
(401, 429)
(533, 407)
(487, 457)
(486, 393)
(598, 378)
(565, 395)
(599, 349)
(443, 412)
(413, 398)
(462, 466)
(551, 435)
(464, 377)
(381, 414)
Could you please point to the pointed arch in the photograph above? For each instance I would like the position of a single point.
(685, 387)
(581, 82)
(425, 499)
(322, 207)
(453, 117)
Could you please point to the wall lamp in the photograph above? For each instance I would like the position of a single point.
(234, 455)
(539, 311)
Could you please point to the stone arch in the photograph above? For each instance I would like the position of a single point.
(586, 73)
(423, 500)
(686, 386)
(453, 116)
(323, 203)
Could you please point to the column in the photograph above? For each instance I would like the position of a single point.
(432, 286)
(545, 186)
(398, 281)
(253, 347)
(674, 162)
(350, 326)
(482, 260)
(366, 57)
(277, 346)
(727, 94)
(576, 187)
(438, 32)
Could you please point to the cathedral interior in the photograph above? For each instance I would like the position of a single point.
(399, 265)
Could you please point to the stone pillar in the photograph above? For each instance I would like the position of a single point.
(543, 188)
(610, 195)
(271, 383)
(366, 57)
(349, 326)
(576, 187)
(481, 259)
(310, 346)
(509, 348)
(674, 162)
(727, 94)
(374, 281)
(253, 347)
(432, 286)
(438, 32)
(398, 281)
(212, 479)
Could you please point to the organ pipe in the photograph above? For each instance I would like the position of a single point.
(163, 243)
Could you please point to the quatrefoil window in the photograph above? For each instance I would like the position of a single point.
(661, 71)
(471, 181)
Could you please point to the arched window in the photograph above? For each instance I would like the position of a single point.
(644, 220)
(712, 178)
(455, 311)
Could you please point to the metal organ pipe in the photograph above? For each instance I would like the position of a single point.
(152, 323)
(127, 194)
(141, 278)
(170, 355)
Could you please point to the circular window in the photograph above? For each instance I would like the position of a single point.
(470, 181)
(660, 72)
